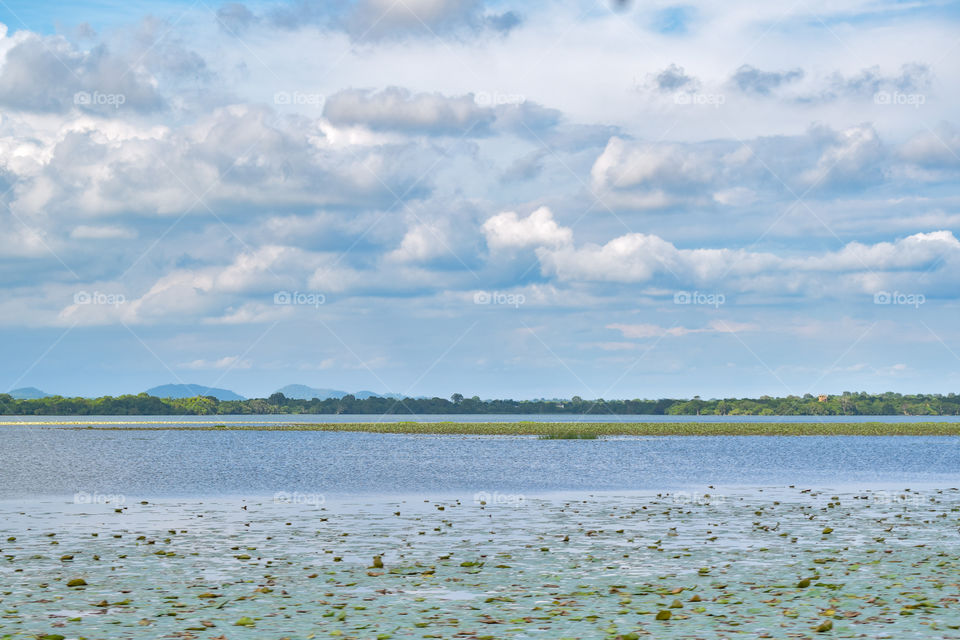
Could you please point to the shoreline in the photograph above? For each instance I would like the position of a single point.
(554, 430)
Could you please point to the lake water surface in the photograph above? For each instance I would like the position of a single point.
(498, 417)
(44, 461)
(250, 534)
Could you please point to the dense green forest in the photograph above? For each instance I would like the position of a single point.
(845, 404)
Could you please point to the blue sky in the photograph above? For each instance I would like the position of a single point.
(493, 198)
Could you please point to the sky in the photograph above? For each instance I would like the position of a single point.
(503, 199)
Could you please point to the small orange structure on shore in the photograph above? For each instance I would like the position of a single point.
(822, 398)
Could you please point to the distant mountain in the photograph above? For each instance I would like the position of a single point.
(303, 392)
(363, 395)
(191, 390)
(28, 393)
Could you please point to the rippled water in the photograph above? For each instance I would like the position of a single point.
(37, 461)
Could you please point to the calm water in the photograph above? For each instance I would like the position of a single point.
(41, 461)
(506, 417)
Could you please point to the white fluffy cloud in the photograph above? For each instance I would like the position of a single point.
(509, 231)
(644, 258)
(650, 176)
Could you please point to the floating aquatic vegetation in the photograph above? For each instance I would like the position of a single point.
(598, 566)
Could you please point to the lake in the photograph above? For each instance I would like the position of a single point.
(250, 534)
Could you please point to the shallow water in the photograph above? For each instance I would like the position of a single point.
(583, 566)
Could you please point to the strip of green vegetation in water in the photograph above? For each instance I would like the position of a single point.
(587, 430)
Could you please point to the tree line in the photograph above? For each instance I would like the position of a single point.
(847, 403)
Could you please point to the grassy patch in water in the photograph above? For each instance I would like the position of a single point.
(583, 430)
(569, 435)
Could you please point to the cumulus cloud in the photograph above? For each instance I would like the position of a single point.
(644, 176)
(396, 108)
(674, 78)
(238, 157)
(646, 258)
(48, 74)
(210, 292)
(869, 82)
(634, 257)
(651, 175)
(749, 79)
(623, 166)
(852, 157)
(507, 230)
(444, 241)
(919, 251)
